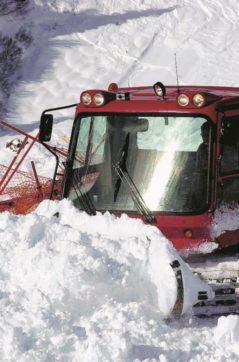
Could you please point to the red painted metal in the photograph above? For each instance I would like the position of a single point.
(11, 171)
(38, 184)
(174, 227)
(20, 191)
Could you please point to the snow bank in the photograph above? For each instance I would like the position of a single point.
(226, 218)
(226, 333)
(79, 285)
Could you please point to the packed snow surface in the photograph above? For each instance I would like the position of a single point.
(80, 288)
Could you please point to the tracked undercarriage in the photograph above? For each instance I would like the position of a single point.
(221, 271)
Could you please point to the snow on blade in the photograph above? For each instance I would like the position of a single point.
(83, 284)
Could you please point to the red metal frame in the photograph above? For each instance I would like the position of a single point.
(10, 172)
(23, 191)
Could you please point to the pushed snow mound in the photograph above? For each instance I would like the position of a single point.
(89, 285)
(225, 219)
(226, 333)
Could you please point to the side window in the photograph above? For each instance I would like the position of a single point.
(91, 141)
(230, 159)
(230, 144)
(230, 191)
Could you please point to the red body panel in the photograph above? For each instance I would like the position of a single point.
(174, 227)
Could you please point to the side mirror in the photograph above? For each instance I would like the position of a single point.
(46, 123)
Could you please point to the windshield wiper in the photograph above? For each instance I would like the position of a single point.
(125, 178)
(84, 199)
(121, 164)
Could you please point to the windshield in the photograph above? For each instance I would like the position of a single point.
(165, 157)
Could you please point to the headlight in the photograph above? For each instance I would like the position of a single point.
(98, 99)
(183, 100)
(198, 100)
(86, 98)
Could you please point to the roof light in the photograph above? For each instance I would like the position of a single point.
(159, 89)
(86, 98)
(198, 100)
(99, 99)
(113, 87)
(183, 100)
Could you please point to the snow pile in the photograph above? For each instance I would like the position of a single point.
(226, 334)
(225, 218)
(79, 285)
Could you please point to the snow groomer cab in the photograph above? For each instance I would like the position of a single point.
(166, 154)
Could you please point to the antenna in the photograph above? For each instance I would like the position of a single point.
(176, 68)
(129, 81)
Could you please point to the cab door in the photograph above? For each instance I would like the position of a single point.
(228, 177)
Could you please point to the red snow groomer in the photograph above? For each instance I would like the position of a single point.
(168, 155)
